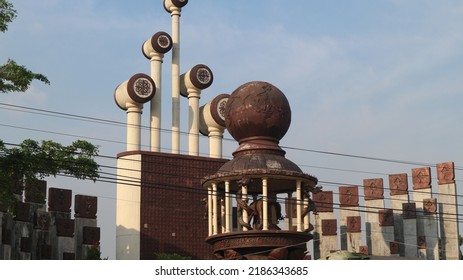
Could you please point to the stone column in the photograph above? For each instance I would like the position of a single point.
(35, 194)
(398, 187)
(349, 202)
(383, 243)
(409, 228)
(62, 229)
(374, 202)
(85, 209)
(426, 224)
(447, 194)
(325, 225)
(90, 242)
(6, 226)
(22, 230)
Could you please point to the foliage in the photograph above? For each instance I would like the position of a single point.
(171, 256)
(33, 161)
(7, 14)
(14, 77)
(94, 253)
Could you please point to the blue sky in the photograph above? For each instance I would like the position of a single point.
(379, 78)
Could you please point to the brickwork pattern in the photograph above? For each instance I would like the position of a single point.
(173, 216)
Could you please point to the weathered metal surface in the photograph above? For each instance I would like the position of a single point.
(250, 244)
(349, 196)
(398, 184)
(445, 173)
(257, 109)
(421, 178)
(373, 189)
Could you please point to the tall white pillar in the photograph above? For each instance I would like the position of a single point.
(212, 123)
(427, 228)
(154, 50)
(374, 202)
(133, 127)
(398, 187)
(448, 209)
(193, 120)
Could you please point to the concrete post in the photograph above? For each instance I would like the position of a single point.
(325, 225)
(85, 208)
(449, 219)
(398, 187)
(349, 203)
(374, 202)
(427, 229)
(410, 230)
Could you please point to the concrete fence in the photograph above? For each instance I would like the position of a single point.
(416, 223)
(35, 232)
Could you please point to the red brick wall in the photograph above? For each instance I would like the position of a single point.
(173, 216)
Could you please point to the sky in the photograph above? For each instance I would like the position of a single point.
(375, 87)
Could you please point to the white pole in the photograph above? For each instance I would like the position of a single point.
(214, 209)
(193, 112)
(264, 204)
(227, 206)
(299, 206)
(175, 13)
(155, 108)
(133, 127)
(209, 209)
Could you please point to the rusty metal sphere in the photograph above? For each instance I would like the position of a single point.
(257, 109)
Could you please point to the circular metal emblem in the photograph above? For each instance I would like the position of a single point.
(221, 107)
(143, 87)
(164, 41)
(203, 75)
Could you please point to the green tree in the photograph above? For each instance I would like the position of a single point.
(14, 77)
(32, 161)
